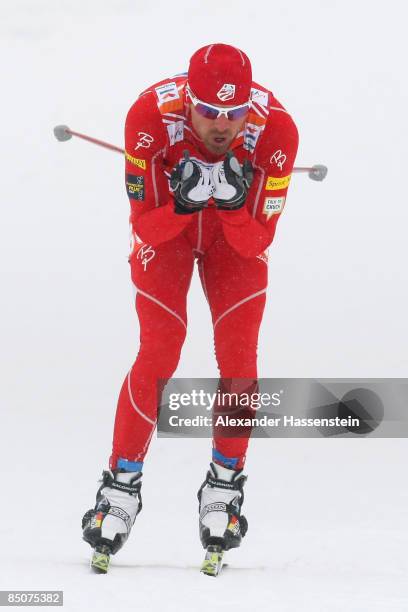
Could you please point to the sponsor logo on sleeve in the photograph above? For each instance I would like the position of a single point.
(273, 206)
(261, 97)
(274, 183)
(135, 187)
(227, 92)
(278, 158)
(140, 163)
(145, 140)
(167, 92)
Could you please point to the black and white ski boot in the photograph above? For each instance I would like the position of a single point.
(107, 526)
(221, 524)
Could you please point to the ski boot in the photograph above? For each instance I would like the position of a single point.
(107, 527)
(221, 525)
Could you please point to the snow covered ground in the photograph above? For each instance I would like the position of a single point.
(327, 518)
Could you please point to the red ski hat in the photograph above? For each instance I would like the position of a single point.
(220, 74)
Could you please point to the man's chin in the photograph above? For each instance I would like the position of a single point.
(218, 148)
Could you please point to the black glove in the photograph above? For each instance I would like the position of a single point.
(190, 187)
(232, 182)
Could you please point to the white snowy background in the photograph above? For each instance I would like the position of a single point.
(327, 518)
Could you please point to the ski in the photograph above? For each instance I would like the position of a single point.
(100, 560)
(212, 563)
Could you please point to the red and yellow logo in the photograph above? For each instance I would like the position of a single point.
(274, 183)
(99, 519)
(140, 163)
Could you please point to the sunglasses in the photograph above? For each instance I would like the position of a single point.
(209, 111)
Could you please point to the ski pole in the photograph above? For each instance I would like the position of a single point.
(317, 172)
(63, 132)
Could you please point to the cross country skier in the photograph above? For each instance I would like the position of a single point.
(209, 156)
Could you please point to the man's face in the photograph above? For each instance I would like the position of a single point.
(217, 134)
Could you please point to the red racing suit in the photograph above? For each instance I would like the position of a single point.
(230, 248)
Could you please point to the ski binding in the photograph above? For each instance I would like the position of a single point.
(100, 560)
(212, 563)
